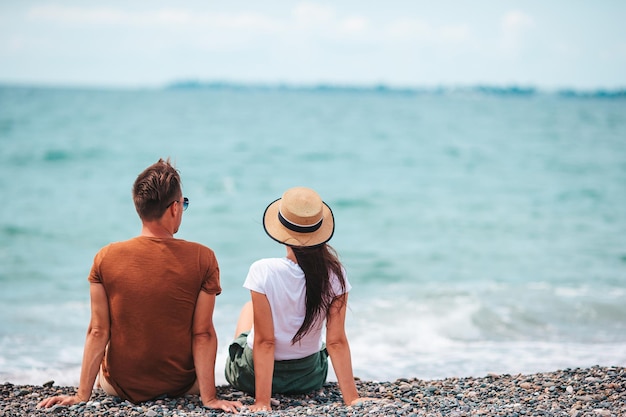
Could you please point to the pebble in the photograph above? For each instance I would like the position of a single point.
(581, 392)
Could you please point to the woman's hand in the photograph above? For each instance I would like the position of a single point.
(228, 406)
(60, 399)
(363, 399)
(260, 406)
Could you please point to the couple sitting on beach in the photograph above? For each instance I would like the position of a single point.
(151, 331)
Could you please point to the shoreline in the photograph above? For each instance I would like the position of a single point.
(594, 391)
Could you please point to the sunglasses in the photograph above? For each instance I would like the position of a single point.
(185, 203)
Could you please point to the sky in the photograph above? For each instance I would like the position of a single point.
(551, 44)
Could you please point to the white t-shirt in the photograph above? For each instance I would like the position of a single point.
(282, 281)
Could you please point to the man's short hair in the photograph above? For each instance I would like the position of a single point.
(155, 189)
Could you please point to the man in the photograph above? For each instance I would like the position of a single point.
(151, 332)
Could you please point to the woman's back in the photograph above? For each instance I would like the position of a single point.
(292, 299)
(283, 283)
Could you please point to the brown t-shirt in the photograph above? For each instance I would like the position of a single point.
(152, 286)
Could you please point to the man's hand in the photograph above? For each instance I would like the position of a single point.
(60, 399)
(228, 406)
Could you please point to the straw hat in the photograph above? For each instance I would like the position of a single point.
(299, 218)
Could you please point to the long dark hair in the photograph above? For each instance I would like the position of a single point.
(318, 263)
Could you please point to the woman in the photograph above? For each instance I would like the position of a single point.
(278, 345)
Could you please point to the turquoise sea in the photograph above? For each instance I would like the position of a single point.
(482, 231)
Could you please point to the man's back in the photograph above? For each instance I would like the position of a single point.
(152, 286)
(152, 302)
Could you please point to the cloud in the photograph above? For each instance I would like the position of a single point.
(455, 33)
(353, 25)
(515, 21)
(247, 21)
(60, 14)
(313, 14)
(159, 17)
(413, 29)
(515, 26)
(409, 28)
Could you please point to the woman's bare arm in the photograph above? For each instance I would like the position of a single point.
(263, 351)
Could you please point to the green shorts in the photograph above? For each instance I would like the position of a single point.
(295, 376)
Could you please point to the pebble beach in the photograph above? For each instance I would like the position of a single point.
(596, 391)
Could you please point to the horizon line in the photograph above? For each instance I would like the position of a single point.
(374, 87)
